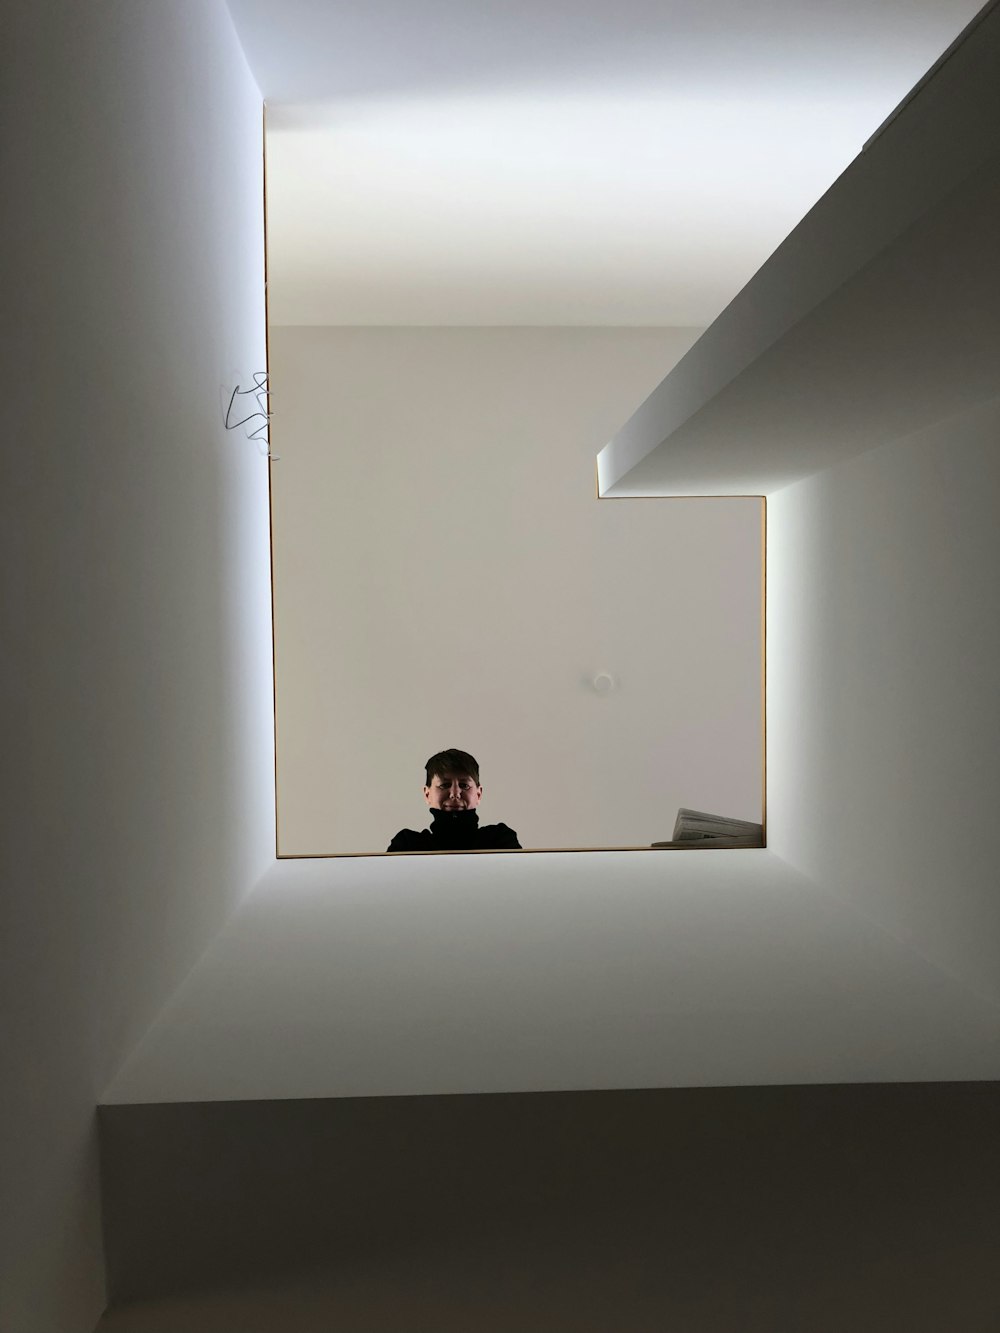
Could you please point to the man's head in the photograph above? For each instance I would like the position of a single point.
(452, 781)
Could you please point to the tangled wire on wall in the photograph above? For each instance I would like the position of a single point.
(260, 431)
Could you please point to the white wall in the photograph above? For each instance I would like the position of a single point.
(422, 975)
(444, 576)
(883, 705)
(136, 671)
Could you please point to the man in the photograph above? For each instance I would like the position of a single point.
(453, 792)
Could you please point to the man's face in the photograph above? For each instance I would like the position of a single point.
(453, 791)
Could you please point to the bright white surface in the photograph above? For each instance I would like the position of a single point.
(528, 209)
(138, 721)
(477, 974)
(883, 708)
(312, 50)
(136, 659)
(444, 575)
(448, 163)
(835, 326)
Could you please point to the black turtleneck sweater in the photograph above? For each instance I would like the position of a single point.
(454, 831)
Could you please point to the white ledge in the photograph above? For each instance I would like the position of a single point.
(878, 315)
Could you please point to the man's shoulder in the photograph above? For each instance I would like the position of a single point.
(410, 840)
(499, 835)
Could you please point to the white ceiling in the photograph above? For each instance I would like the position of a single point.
(438, 162)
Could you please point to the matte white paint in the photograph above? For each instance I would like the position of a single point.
(139, 681)
(136, 671)
(867, 323)
(600, 208)
(477, 974)
(444, 575)
(303, 51)
(883, 707)
(456, 163)
(878, 962)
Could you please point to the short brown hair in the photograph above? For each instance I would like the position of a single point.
(452, 763)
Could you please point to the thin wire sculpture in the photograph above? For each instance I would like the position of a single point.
(259, 433)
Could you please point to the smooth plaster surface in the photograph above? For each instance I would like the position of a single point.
(118, 872)
(867, 323)
(884, 713)
(136, 668)
(455, 163)
(444, 576)
(465, 974)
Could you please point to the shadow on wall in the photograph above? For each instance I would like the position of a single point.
(821, 1208)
